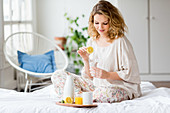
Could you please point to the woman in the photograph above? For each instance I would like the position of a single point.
(114, 76)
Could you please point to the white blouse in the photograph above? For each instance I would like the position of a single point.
(117, 57)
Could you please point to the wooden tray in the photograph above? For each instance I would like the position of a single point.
(76, 105)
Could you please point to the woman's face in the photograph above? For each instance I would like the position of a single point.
(101, 24)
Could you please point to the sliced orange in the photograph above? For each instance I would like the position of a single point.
(90, 50)
(68, 100)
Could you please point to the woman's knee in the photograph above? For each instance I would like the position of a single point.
(58, 76)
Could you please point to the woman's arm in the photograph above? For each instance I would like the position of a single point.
(85, 56)
(87, 67)
(113, 76)
(100, 73)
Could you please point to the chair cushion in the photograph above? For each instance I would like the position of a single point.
(37, 63)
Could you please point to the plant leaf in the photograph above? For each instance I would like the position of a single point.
(68, 18)
(71, 21)
(70, 48)
(65, 14)
(84, 28)
(73, 55)
(75, 62)
(77, 70)
(81, 62)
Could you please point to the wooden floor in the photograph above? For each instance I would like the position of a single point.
(161, 84)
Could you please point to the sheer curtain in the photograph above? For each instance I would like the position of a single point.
(18, 16)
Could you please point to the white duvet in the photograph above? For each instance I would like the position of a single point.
(153, 100)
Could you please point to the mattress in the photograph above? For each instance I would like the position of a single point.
(153, 100)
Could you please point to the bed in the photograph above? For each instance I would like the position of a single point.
(153, 100)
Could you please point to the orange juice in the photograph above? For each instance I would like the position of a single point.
(79, 100)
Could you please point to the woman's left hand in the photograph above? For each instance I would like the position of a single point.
(99, 73)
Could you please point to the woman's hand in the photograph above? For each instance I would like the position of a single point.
(99, 73)
(83, 53)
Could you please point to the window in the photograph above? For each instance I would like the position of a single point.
(17, 16)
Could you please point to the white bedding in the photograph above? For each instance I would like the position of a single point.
(153, 100)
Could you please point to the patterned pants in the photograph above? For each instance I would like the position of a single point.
(100, 94)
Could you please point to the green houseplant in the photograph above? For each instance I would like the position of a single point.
(75, 40)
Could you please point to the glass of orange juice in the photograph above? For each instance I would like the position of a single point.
(79, 100)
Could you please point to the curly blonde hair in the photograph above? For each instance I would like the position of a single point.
(116, 21)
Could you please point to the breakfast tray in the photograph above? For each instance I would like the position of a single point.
(76, 105)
